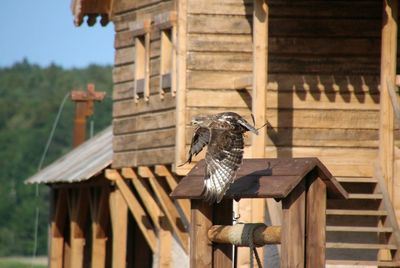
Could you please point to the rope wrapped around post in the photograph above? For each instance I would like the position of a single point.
(240, 234)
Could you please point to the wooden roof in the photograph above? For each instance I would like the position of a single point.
(92, 9)
(263, 178)
(80, 164)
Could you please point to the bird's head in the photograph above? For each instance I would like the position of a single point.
(199, 120)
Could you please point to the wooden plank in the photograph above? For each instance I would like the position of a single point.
(287, 118)
(200, 223)
(282, 100)
(293, 228)
(136, 209)
(144, 157)
(58, 218)
(144, 140)
(155, 103)
(394, 100)
(226, 7)
(125, 5)
(79, 206)
(315, 222)
(124, 56)
(222, 253)
(100, 211)
(323, 46)
(123, 39)
(340, 65)
(163, 171)
(324, 27)
(123, 91)
(388, 73)
(119, 221)
(168, 207)
(123, 73)
(181, 83)
(219, 42)
(145, 122)
(364, 84)
(165, 244)
(147, 198)
(228, 61)
(326, 9)
(359, 246)
(213, 80)
(218, 24)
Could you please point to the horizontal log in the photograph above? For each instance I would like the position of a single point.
(229, 61)
(220, 42)
(225, 7)
(144, 140)
(161, 156)
(235, 234)
(218, 24)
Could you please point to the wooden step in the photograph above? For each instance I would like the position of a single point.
(364, 263)
(356, 212)
(359, 229)
(357, 179)
(365, 196)
(359, 246)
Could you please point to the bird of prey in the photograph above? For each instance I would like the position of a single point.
(223, 135)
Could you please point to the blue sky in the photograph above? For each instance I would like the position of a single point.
(43, 32)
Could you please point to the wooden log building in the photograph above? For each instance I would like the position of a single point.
(323, 74)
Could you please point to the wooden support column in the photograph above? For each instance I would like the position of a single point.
(200, 247)
(388, 74)
(253, 210)
(315, 222)
(293, 228)
(59, 215)
(180, 137)
(138, 213)
(168, 207)
(100, 211)
(163, 171)
(119, 221)
(79, 205)
(222, 253)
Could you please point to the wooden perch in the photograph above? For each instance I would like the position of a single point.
(236, 234)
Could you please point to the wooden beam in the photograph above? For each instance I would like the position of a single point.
(388, 73)
(136, 209)
(244, 82)
(263, 235)
(100, 211)
(163, 171)
(79, 206)
(394, 99)
(148, 200)
(222, 214)
(58, 218)
(180, 138)
(315, 222)
(200, 223)
(293, 228)
(119, 221)
(168, 207)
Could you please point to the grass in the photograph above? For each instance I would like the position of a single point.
(18, 263)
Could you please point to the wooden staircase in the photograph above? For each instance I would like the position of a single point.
(358, 231)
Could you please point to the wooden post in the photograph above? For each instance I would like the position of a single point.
(388, 73)
(180, 137)
(79, 206)
(315, 222)
(119, 220)
(253, 210)
(58, 218)
(100, 211)
(293, 228)
(200, 247)
(223, 214)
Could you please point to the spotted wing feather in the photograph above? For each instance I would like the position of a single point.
(223, 158)
(201, 137)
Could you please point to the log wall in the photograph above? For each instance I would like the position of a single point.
(144, 128)
(323, 96)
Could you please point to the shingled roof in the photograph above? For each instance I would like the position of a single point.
(80, 164)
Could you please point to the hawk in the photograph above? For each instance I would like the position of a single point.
(223, 135)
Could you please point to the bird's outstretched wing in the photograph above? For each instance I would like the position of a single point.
(201, 137)
(223, 158)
